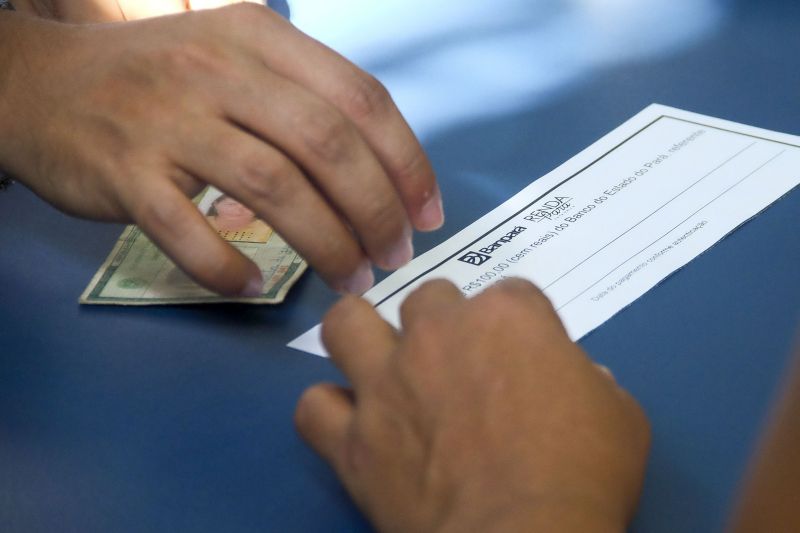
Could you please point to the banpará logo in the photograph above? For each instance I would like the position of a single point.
(484, 254)
(474, 258)
(550, 209)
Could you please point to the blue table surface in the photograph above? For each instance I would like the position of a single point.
(180, 419)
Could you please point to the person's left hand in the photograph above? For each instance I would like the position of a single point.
(481, 415)
(125, 121)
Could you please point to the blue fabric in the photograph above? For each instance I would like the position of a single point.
(180, 419)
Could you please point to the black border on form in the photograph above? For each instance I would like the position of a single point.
(546, 193)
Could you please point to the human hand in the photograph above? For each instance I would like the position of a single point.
(481, 415)
(123, 121)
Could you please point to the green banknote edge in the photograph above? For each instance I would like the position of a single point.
(92, 294)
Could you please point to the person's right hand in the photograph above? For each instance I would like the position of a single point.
(125, 121)
(481, 415)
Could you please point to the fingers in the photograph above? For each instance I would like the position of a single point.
(606, 372)
(522, 289)
(268, 182)
(612, 380)
(433, 298)
(529, 298)
(323, 415)
(358, 340)
(177, 227)
(334, 155)
(365, 102)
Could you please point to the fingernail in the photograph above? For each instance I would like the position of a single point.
(431, 216)
(254, 287)
(361, 281)
(401, 254)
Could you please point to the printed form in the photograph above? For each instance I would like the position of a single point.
(611, 223)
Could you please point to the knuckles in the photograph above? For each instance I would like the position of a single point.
(432, 331)
(161, 217)
(414, 171)
(327, 135)
(344, 309)
(384, 218)
(337, 320)
(495, 313)
(521, 295)
(244, 14)
(154, 84)
(269, 183)
(519, 287)
(190, 185)
(366, 98)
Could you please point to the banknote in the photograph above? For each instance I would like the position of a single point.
(138, 273)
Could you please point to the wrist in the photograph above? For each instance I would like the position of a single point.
(517, 506)
(534, 515)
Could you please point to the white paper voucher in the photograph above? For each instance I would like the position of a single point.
(612, 222)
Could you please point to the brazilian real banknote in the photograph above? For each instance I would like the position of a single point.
(138, 273)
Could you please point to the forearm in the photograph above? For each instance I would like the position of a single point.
(532, 515)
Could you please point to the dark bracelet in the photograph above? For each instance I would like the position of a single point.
(5, 180)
